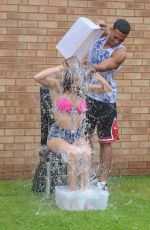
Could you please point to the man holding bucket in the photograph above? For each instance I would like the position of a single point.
(106, 57)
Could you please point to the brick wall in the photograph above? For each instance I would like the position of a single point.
(29, 31)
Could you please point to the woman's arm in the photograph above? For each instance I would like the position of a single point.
(105, 84)
(103, 88)
(95, 88)
(49, 77)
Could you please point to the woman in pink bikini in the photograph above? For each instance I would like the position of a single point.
(66, 135)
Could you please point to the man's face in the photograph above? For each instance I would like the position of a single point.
(116, 37)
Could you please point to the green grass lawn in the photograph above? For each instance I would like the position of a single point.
(128, 208)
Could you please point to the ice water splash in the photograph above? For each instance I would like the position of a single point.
(82, 165)
(88, 199)
(79, 163)
(78, 73)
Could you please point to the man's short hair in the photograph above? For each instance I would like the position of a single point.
(122, 25)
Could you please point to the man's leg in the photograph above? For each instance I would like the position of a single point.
(106, 154)
(91, 119)
(107, 131)
(90, 125)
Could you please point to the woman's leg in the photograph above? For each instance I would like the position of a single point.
(60, 146)
(85, 154)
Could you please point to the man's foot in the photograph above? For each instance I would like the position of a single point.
(102, 186)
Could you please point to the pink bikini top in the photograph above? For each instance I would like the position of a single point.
(65, 105)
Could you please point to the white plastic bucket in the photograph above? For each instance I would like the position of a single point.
(79, 38)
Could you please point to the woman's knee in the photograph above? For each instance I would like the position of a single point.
(87, 156)
(73, 156)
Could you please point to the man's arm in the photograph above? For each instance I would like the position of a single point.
(112, 62)
(103, 26)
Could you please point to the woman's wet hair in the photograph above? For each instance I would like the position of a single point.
(69, 83)
(122, 25)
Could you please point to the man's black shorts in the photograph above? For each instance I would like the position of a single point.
(104, 117)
